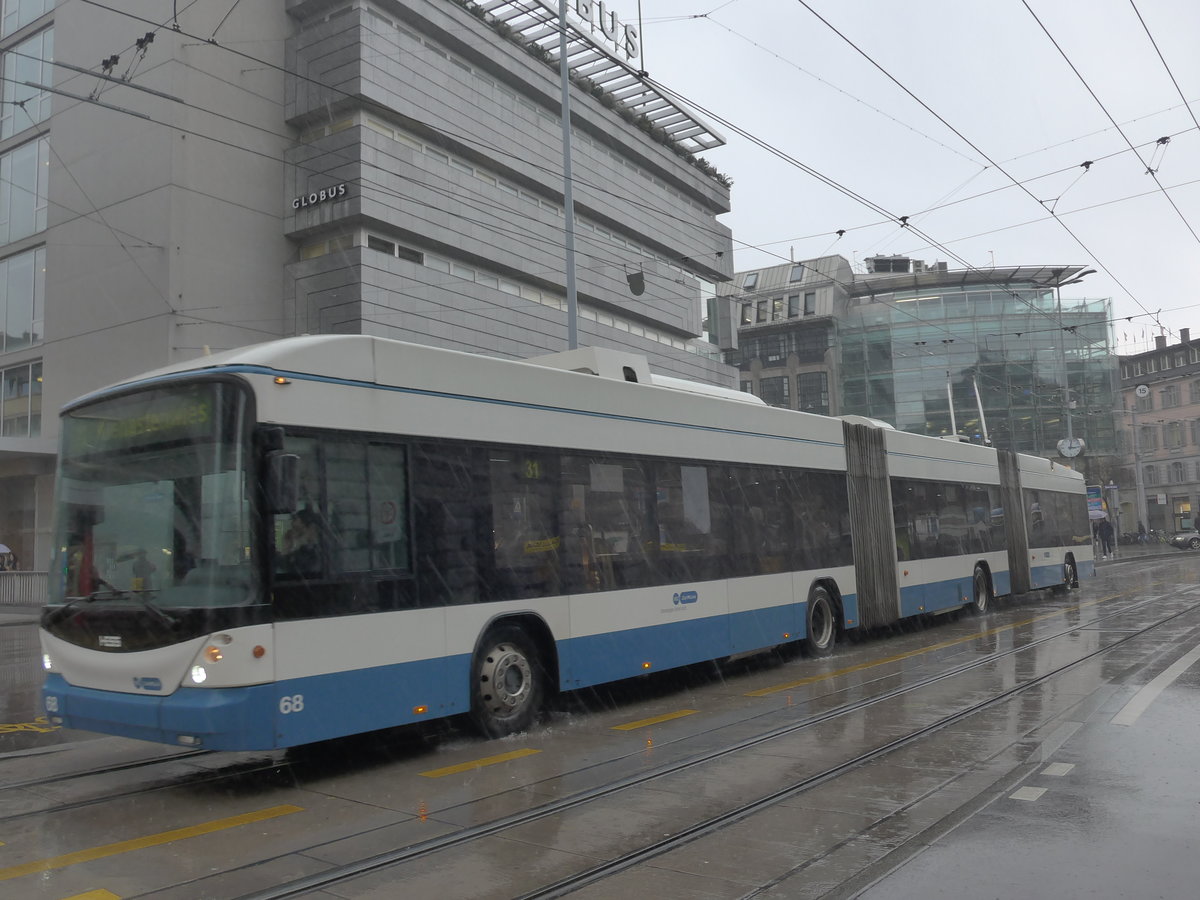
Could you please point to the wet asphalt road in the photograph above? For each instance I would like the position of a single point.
(1079, 786)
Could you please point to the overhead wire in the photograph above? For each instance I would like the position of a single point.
(1153, 173)
(1163, 60)
(889, 217)
(864, 200)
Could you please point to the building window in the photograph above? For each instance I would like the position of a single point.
(21, 400)
(1151, 365)
(793, 306)
(1145, 404)
(812, 392)
(774, 391)
(1178, 471)
(1170, 396)
(747, 313)
(750, 281)
(1194, 392)
(1173, 435)
(762, 311)
(23, 190)
(378, 243)
(776, 308)
(810, 303)
(24, 106)
(748, 387)
(776, 349)
(1149, 437)
(1150, 475)
(1196, 433)
(19, 13)
(797, 273)
(22, 299)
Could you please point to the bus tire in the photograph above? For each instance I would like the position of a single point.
(821, 621)
(981, 593)
(1070, 573)
(508, 683)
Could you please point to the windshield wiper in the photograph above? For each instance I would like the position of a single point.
(144, 598)
(112, 593)
(62, 611)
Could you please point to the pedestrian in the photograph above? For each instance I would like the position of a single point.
(1142, 537)
(142, 570)
(1105, 531)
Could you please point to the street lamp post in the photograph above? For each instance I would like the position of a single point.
(1058, 283)
(1142, 390)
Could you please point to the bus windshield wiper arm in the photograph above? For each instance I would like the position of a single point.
(62, 611)
(143, 597)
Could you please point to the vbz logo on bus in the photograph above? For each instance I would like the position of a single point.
(685, 597)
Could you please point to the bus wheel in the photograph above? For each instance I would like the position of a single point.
(822, 623)
(507, 683)
(981, 596)
(1070, 574)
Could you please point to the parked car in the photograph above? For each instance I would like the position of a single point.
(1186, 540)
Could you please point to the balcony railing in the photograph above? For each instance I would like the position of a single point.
(22, 589)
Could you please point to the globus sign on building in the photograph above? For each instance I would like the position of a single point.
(312, 199)
(597, 17)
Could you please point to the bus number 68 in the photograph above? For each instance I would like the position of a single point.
(292, 704)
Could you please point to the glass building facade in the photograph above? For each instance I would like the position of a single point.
(905, 354)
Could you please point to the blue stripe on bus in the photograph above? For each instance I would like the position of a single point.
(321, 707)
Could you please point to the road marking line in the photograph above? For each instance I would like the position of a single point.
(642, 723)
(478, 763)
(1149, 693)
(153, 840)
(813, 679)
(39, 725)
(94, 895)
(1058, 770)
(1027, 793)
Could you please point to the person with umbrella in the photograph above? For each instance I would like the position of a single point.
(1105, 532)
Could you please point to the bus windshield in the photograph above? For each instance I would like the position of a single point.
(153, 500)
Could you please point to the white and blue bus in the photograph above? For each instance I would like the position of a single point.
(327, 535)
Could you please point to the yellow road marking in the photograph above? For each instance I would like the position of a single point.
(39, 725)
(479, 763)
(642, 723)
(153, 840)
(94, 895)
(813, 679)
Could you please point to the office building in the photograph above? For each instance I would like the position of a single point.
(928, 349)
(231, 173)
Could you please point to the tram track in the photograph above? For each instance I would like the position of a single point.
(278, 766)
(466, 836)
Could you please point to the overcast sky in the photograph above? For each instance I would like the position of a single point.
(775, 70)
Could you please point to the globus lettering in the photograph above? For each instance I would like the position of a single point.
(332, 193)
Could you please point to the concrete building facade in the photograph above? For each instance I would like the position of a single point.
(1159, 485)
(231, 175)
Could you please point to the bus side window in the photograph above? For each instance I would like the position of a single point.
(526, 537)
(387, 480)
(299, 536)
(451, 519)
(349, 518)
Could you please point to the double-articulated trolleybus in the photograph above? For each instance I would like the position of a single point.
(327, 535)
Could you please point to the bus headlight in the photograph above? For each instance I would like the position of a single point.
(213, 654)
(46, 663)
(199, 675)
